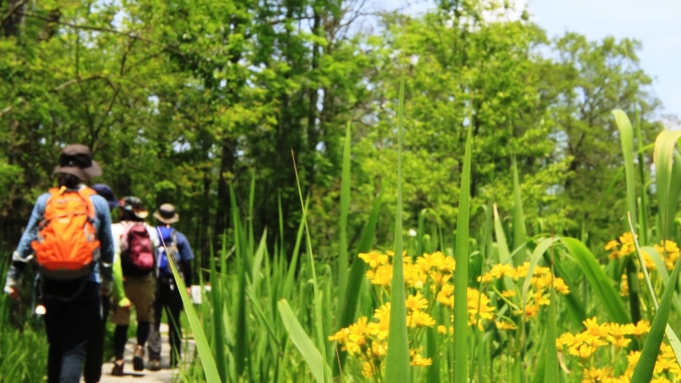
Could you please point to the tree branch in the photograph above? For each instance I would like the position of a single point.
(57, 89)
(11, 11)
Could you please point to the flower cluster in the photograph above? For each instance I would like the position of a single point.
(429, 275)
(613, 336)
(670, 251)
(540, 282)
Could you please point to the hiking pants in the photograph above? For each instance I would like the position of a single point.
(69, 325)
(169, 297)
(95, 347)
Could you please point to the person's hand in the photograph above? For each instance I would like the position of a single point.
(105, 288)
(13, 292)
(125, 303)
(13, 283)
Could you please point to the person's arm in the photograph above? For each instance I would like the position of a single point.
(106, 244)
(24, 250)
(119, 287)
(186, 256)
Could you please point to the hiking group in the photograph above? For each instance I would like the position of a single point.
(87, 267)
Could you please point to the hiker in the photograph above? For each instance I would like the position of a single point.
(69, 233)
(135, 245)
(174, 248)
(92, 371)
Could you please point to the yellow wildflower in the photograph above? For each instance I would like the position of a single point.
(445, 296)
(611, 245)
(642, 327)
(503, 325)
(560, 286)
(416, 302)
(381, 328)
(417, 359)
(374, 259)
(420, 319)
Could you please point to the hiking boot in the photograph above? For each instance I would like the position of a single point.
(118, 368)
(154, 365)
(138, 359)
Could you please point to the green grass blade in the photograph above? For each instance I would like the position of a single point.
(256, 273)
(293, 266)
(356, 278)
(397, 368)
(319, 321)
(519, 229)
(344, 208)
(551, 374)
(502, 245)
(461, 273)
(537, 254)
(642, 215)
(671, 335)
(218, 324)
(601, 285)
(207, 362)
(663, 157)
(627, 140)
(646, 364)
(303, 343)
(242, 347)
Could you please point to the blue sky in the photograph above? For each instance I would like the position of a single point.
(656, 23)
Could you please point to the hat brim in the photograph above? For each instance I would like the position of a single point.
(83, 173)
(142, 214)
(114, 204)
(167, 221)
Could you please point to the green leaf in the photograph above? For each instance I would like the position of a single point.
(671, 335)
(519, 230)
(646, 364)
(209, 367)
(303, 343)
(344, 208)
(461, 272)
(356, 279)
(665, 184)
(627, 140)
(599, 281)
(551, 367)
(397, 367)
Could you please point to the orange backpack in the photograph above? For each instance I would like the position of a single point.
(67, 245)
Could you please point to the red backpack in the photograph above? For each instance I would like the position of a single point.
(67, 245)
(137, 251)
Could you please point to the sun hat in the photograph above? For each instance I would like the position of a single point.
(166, 214)
(108, 194)
(134, 205)
(77, 160)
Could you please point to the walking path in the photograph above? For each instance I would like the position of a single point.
(165, 375)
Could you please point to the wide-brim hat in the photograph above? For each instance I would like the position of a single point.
(108, 194)
(166, 214)
(135, 206)
(77, 160)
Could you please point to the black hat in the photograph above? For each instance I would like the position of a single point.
(77, 160)
(166, 214)
(108, 194)
(135, 206)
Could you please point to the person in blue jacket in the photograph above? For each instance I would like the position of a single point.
(174, 248)
(72, 305)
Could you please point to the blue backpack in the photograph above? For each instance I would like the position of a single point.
(167, 237)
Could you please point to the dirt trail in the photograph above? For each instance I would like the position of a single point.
(166, 375)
